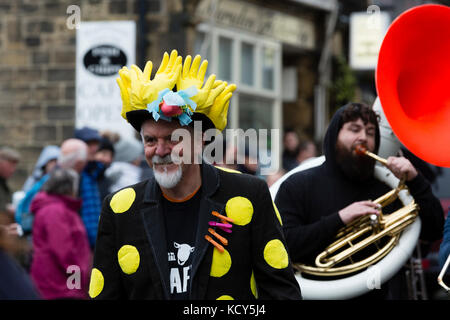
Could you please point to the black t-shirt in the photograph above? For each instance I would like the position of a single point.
(181, 226)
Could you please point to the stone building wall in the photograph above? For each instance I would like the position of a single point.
(37, 65)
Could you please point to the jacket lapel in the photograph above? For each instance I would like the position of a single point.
(152, 215)
(202, 258)
(154, 225)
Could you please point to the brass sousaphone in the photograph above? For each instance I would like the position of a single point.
(412, 79)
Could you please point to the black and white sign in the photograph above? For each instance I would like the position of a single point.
(105, 60)
(367, 31)
(103, 48)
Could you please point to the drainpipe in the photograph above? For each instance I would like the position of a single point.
(321, 89)
(142, 33)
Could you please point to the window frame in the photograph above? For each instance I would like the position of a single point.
(238, 37)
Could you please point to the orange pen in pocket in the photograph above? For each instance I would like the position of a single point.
(218, 246)
(218, 236)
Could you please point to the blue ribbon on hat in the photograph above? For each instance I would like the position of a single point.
(180, 98)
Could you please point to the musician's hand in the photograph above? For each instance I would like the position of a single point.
(358, 209)
(401, 167)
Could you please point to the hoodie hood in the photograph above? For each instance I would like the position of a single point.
(329, 143)
(47, 154)
(44, 199)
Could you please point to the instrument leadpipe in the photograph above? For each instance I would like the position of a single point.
(361, 150)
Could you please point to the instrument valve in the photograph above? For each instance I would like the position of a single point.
(375, 222)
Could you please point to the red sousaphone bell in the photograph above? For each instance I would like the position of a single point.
(413, 81)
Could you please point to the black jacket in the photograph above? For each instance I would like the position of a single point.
(309, 202)
(142, 226)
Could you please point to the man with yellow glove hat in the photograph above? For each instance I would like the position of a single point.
(194, 231)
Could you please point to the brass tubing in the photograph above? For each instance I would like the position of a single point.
(403, 218)
(361, 150)
(374, 156)
(441, 275)
(318, 271)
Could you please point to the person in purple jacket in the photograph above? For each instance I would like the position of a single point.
(62, 257)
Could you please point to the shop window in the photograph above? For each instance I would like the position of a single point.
(247, 65)
(268, 67)
(225, 58)
(253, 63)
(253, 112)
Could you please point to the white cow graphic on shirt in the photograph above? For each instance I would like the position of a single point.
(184, 251)
(180, 276)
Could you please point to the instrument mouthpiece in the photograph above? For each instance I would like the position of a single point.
(360, 150)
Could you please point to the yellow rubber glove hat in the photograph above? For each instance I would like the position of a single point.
(193, 100)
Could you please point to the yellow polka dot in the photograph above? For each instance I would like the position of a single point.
(277, 213)
(96, 283)
(221, 263)
(225, 297)
(129, 259)
(228, 169)
(239, 209)
(122, 200)
(253, 286)
(275, 254)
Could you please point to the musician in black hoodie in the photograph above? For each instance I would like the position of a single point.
(316, 203)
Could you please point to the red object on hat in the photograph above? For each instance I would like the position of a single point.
(170, 111)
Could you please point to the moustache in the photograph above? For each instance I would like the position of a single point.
(162, 160)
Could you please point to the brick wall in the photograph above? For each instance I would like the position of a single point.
(37, 64)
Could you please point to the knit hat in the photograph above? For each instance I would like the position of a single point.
(106, 144)
(87, 134)
(128, 150)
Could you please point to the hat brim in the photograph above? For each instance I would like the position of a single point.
(137, 117)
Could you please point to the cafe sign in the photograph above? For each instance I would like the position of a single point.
(290, 29)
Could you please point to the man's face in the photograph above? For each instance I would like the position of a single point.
(7, 168)
(290, 141)
(74, 154)
(50, 165)
(104, 156)
(354, 133)
(159, 150)
(92, 149)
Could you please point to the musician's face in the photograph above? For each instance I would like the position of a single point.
(356, 132)
(352, 134)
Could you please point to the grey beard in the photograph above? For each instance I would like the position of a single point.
(165, 179)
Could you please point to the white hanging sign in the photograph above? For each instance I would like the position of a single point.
(103, 48)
